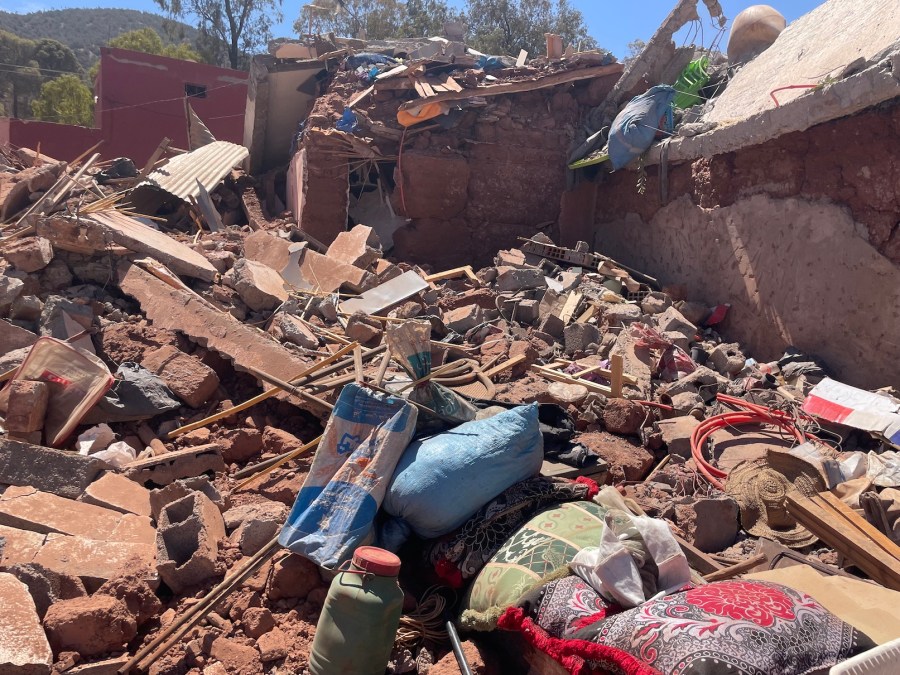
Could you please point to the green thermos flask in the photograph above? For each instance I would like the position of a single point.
(356, 630)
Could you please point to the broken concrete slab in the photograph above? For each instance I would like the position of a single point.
(18, 546)
(363, 329)
(10, 289)
(359, 247)
(94, 562)
(579, 335)
(24, 648)
(260, 287)
(673, 321)
(180, 310)
(187, 542)
(676, 434)
(14, 337)
(290, 328)
(30, 509)
(143, 239)
(169, 467)
(326, 274)
(29, 254)
(58, 472)
(464, 318)
(47, 586)
(115, 491)
(396, 289)
(188, 377)
(518, 279)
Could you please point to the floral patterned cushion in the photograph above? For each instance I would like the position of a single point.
(734, 627)
(563, 606)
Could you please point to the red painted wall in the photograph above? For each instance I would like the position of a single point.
(140, 100)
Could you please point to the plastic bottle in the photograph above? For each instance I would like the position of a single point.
(356, 630)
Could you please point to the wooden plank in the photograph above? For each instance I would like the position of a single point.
(571, 304)
(426, 86)
(360, 95)
(838, 533)
(736, 569)
(828, 500)
(452, 274)
(420, 87)
(697, 559)
(617, 366)
(506, 365)
(522, 86)
(451, 84)
(552, 469)
(393, 72)
(560, 377)
(588, 314)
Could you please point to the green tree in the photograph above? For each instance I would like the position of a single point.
(507, 26)
(148, 41)
(30, 62)
(379, 19)
(242, 25)
(425, 18)
(54, 58)
(66, 100)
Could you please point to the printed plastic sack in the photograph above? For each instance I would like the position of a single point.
(443, 480)
(410, 344)
(634, 128)
(335, 510)
(77, 380)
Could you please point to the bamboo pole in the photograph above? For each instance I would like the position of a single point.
(289, 388)
(258, 398)
(287, 457)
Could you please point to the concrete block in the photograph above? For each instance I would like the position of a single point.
(260, 287)
(579, 335)
(359, 247)
(29, 254)
(693, 312)
(24, 648)
(187, 463)
(656, 303)
(621, 314)
(673, 321)
(187, 543)
(464, 318)
(115, 491)
(676, 434)
(727, 359)
(528, 311)
(30, 509)
(188, 377)
(710, 523)
(552, 325)
(518, 279)
(181, 488)
(27, 406)
(677, 339)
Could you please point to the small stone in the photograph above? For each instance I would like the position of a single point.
(621, 416)
(463, 319)
(627, 461)
(257, 621)
(273, 645)
(727, 359)
(27, 406)
(238, 658)
(293, 577)
(290, 328)
(239, 445)
(278, 441)
(579, 335)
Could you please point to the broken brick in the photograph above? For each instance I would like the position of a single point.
(187, 376)
(90, 626)
(115, 491)
(359, 247)
(23, 644)
(329, 275)
(27, 406)
(260, 287)
(30, 254)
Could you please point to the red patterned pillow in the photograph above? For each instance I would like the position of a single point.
(740, 627)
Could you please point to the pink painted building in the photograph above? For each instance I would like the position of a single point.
(140, 100)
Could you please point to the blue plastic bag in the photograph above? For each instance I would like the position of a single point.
(335, 510)
(441, 481)
(348, 122)
(634, 128)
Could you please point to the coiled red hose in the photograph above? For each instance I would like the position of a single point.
(748, 413)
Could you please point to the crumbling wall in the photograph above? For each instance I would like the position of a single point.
(799, 234)
(498, 173)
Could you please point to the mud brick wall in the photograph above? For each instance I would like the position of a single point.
(800, 234)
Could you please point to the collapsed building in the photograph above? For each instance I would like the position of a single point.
(416, 309)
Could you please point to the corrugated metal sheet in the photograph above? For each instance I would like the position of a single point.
(209, 164)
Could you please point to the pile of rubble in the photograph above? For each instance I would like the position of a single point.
(169, 373)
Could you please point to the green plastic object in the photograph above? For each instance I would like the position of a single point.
(360, 617)
(692, 79)
(595, 157)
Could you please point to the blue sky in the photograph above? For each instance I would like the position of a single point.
(613, 24)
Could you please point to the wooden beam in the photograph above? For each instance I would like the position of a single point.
(506, 365)
(452, 274)
(556, 376)
(736, 569)
(518, 87)
(617, 374)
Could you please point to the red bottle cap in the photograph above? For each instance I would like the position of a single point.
(377, 561)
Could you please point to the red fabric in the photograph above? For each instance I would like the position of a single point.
(571, 654)
(593, 488)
